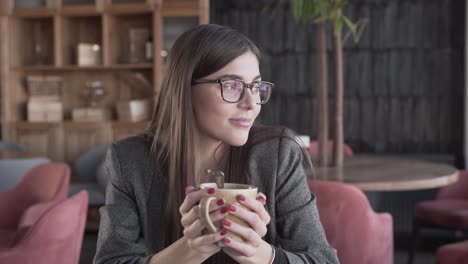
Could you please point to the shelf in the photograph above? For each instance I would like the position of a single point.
(128, 39)
(42, 41)
(35, 12)
(139, 8)
(180, 8)
(146, 66)
(79, 10)
(79, 30)
(36, 41)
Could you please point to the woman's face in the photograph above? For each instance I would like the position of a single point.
(220, 121)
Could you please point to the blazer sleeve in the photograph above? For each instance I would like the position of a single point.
(300, 234)
(120, 237)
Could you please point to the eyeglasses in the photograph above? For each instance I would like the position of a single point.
(233, 91)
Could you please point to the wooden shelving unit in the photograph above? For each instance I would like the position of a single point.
(42, 41)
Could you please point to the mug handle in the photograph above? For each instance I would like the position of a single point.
(204, 213)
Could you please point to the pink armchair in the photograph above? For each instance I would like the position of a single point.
(359, 235)
(447, 211)
(455, 253)
(46, 182)
(53, 236)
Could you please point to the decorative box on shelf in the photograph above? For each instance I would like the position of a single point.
(88, 54)
(45, 88)
(44, 111)
(91, 114)
(138, 37)
(134, 110)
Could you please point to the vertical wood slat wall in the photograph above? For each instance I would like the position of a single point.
(65, 141)
(403, 80)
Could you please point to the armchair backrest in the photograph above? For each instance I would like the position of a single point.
(457, 190)
(359, 235)
(55, 237)
(43, 183)
(87, 164)
(10, 146)
(13, 170)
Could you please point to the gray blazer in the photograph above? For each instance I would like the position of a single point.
(132, 220)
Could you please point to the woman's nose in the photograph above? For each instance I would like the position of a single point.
(249, 100)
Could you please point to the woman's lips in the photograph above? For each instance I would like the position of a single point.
(242, 122)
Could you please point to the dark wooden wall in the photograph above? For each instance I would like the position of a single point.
(403, 80)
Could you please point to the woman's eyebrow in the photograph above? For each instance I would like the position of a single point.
(235, 77)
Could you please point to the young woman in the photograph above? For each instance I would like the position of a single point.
(210, 97)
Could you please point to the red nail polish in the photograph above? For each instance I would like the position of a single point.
(226, 240)
(224, 210)
(211, 190)
(220, 202)
(241, 197)
(261, 199)
(232, 208)
(223, 232)
(226, 222)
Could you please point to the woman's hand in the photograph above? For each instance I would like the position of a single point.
(254, 249)
(197, 239)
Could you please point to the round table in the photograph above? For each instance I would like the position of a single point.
(18, 155)
(389, 173)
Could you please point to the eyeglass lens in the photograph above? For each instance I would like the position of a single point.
(233, 90)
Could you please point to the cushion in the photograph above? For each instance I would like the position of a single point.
(456, 253)
(97, 195)
(449, 213)
(10, 237)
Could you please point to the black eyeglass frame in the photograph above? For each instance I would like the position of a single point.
(246, 86)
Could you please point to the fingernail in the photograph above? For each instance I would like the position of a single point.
(227, 240)
(226, 222)
(220, 202)
(232, 208)
(211, 190)
(189, 189)
(224, 210)
(241, 197)
(223, 232)
(261, 199)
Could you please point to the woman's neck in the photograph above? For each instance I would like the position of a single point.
(209, 157)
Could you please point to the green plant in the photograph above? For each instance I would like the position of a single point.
(322, 12)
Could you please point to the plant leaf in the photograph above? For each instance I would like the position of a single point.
(309, 10)
(338, 24)
(297, 7)
(351, 26)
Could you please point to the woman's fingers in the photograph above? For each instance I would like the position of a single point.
(193, 197)
(252, 218)
(250, 236)
(193, 214)
(256, 205)
(237, 248)
(195, 229)
(207, 243)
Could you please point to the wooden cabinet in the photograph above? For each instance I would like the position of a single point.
(41, 138)
(43, 41)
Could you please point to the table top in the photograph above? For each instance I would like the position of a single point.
(390, 173)
(17, 155)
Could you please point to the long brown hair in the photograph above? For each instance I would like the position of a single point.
(197, 53)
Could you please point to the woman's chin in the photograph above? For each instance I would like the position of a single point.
(237, 141)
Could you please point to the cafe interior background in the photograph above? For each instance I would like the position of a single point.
(76, 75)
